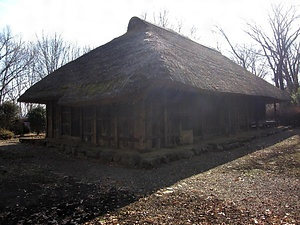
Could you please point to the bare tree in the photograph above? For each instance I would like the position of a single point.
(23, 64)
(247, 56)
(48, 53)
(14, 60)
(282, 47)
(162, 19)
(51, 52)
(179, 26)
(193, 33)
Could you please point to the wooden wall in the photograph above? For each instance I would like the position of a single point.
(162, 119)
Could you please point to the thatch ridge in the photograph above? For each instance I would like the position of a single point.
(147, 56)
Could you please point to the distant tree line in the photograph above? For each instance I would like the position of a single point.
(24, 63)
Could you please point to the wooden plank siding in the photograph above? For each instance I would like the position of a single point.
(161, 119)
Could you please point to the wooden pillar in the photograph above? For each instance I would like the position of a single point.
(149, 133)
(81, 123)
(236, 115)
(165, 120)
(219, 114)
(49, 124)
(94, 125)
(229, 117)
(141, 128)
(71, 119)
(256, 114)
(275, 112)
(238, 120)
(114, 124)
(58, 121)
(247, 116)
(202, 122)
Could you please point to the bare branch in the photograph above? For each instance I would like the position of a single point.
(278, 47)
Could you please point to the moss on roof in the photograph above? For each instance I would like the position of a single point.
(147, 55)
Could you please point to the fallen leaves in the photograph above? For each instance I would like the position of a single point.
(249, 190)
(259, 188)
(69, 201)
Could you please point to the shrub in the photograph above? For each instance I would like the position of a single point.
(289, 114)
(37, 118)
(19, 128)
(6, 134)
(8, 114)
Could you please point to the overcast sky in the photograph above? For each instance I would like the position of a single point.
(95, 22)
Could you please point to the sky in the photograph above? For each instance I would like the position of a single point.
(96, 22)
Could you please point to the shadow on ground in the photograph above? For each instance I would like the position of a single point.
(40, 185)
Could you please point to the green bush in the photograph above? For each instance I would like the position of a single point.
(289, 115)
(37, 119)
(19, 128)
(6, 134)
(8, 114)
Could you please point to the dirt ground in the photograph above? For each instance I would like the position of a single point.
(256, 184)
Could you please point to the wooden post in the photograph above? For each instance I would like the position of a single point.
(202, 122)
(275, 112)
(94, 126)
(229, 117)
(139, 131)
(58, 122)
(247, 116)
(165, 120)
(49, 112)
(114, 124)
(81, 123)
(219, 113)
(148, 124)
(71, 118)
(236, 119)
(142, 127)
(256, 115)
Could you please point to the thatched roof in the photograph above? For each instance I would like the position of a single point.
(147, 57)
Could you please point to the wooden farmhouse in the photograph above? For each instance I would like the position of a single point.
(151, 88)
